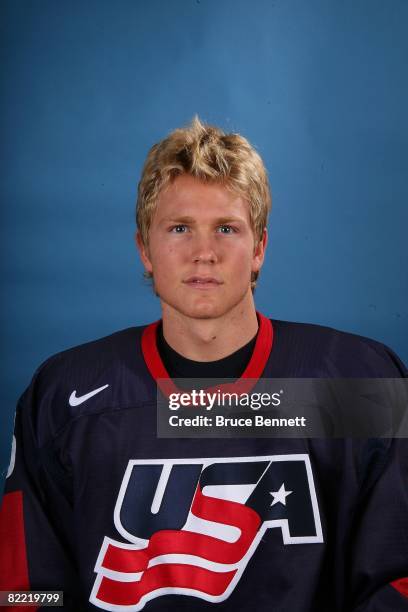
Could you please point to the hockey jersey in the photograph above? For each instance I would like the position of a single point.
(98, 506)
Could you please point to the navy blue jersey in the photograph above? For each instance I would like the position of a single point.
(99, 507)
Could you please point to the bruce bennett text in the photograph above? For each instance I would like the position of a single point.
(257, 420)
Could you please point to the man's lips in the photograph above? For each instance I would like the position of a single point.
(202, 282)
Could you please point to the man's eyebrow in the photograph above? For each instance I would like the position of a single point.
(176, 219)
(186, 219)
(231, 219)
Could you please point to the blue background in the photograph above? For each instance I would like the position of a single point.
(319, 87)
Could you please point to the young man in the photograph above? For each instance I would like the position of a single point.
(98, 506)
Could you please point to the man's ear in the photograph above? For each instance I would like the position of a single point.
(143, 252)
(259, 252)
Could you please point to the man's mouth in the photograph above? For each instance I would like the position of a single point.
(202, 282)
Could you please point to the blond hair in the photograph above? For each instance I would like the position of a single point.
(208, 154)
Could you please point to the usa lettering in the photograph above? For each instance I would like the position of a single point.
(190, 526)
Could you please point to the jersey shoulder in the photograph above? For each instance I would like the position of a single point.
(118, 345)
(316, 350)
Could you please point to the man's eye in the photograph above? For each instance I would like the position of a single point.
(226, 229)
(178, 229)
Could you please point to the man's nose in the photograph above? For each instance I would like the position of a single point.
(204, 248)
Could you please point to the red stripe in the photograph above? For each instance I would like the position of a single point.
(13, 556)
(401, 585)
(170, 575)
(262, 349)
(227, 512)
(253, 371)
(168, 541)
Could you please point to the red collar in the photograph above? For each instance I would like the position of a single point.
(253, 371)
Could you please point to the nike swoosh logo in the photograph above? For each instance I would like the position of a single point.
(75, 400)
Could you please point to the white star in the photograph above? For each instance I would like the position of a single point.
(280, 496)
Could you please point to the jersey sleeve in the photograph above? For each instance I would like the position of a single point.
(35, 546)
(379, 551)
(379, 541)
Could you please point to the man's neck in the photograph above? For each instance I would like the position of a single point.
(210, 339)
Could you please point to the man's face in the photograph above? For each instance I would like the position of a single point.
(201, 249)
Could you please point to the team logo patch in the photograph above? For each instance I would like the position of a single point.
(191, 525)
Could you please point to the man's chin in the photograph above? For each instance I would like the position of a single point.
(202, 309)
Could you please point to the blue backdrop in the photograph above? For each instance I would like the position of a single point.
(319, 87)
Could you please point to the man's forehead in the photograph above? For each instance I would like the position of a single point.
(188, 196)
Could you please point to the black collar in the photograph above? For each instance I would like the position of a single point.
(178, 366)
